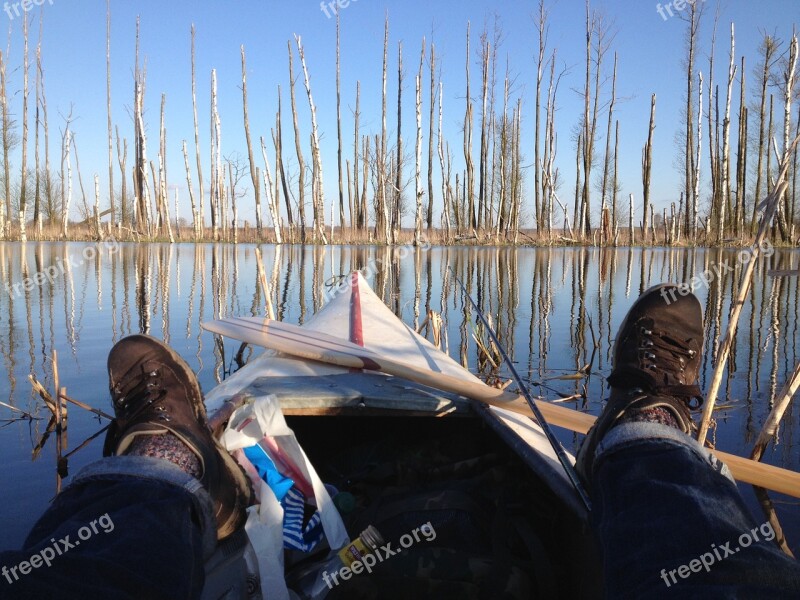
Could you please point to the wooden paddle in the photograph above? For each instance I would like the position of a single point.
(314, 345)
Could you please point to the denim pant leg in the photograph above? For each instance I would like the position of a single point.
(672, 523)
(127, 527)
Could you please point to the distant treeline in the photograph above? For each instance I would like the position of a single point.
(381, 179)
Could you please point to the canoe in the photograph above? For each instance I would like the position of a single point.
(402, 454)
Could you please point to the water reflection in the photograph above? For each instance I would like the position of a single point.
(556, 310)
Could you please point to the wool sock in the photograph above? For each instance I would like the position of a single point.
(651, 415)
(167, 447)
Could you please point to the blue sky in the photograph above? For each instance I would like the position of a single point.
(650, 48)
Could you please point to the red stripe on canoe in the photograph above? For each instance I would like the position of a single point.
(356, 330)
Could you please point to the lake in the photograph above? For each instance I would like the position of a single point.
(556, 310)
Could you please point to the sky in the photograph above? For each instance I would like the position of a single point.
(650, 46)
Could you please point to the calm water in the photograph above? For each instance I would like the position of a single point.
(556, 310)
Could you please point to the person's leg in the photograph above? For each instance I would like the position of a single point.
(127, 527)
(670, 520)
(672, 523)
(155, 508)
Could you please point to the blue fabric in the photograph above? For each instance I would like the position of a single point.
(295, 535)
(661, 502)
(279, 483)
(149, 534)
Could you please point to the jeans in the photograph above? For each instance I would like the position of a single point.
(672, 524)
(669, 518)
(127, 527)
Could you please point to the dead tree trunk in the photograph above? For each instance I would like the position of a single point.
(429, 216)
(23, 190)
(484, 150)
(339, 126)
(37, 195)
(195, 216)
(607, 158)
(741, 157)
(398, 182)
(317, 187)
(7, 140)
(381, 216)
(418, 191)
(280, 172)
(272, 201)
(647, 165)
(445, 175)
(768, 48)
(140, 180)
(301, 183)
(217, 175)
(470, 170)
(541, 25)
(696, 187)
(726, 127)
(360, 218)
(693, 24)
(162, 170)
(253, 175)
(201, 203)
(788, 96)
(108, 110)
(122, 159)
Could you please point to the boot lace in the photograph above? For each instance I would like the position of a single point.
(660, 354)
(146, 392)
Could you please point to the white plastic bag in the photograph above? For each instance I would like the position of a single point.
(264, 526)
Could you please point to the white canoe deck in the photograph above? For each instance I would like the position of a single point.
(356, 314)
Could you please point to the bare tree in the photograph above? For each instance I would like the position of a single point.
(470, 171)
(140, 179)
(418, 191)
(108, 110)
(339, 124)
(280, 172)
(398, 170)
(122, 159)
(23, 195)
(607, 157)
(8, 139)
(542, 29)
(298, 148)
(201, 212)
(317, 185)
(769, 48)
(430, 138)
(272, 200)
(692, 18)
(253, 174)
(724, 203)
(195, 216)
(647, 166)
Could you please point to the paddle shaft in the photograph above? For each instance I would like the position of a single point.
(314, 345)
(569, 469)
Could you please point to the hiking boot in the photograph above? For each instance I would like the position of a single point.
(655, 366)
(154, 392)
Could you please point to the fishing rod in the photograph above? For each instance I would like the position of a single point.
(557, 447)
